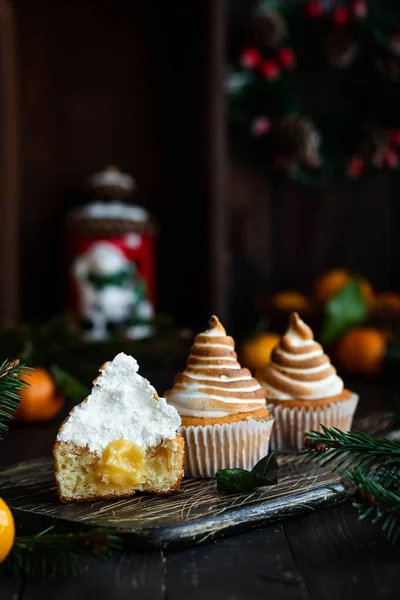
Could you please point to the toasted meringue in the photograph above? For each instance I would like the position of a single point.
(213, 383)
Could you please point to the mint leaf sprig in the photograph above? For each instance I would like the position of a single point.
(265, 472)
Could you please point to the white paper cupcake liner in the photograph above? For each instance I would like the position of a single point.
(292, 422)
(230, 445)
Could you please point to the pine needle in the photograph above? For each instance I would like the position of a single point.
(50, 554)
(376, 503)
(11, 386)
(352, 449)
(370, 471)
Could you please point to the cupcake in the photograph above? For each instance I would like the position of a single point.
(121, 439)
(303, 389)
(225, 422)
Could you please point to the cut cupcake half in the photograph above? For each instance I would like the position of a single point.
(122, 439)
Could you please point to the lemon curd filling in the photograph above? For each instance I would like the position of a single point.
(122, 463)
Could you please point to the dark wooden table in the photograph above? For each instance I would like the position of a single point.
(323, 555)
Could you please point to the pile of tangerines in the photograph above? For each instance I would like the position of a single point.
(361, 350)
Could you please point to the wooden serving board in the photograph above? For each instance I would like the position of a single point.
(196, 514)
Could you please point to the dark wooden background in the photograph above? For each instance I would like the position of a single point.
(284, 234)
(128, 83)
(140, 84)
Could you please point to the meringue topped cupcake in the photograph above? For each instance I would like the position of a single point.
(303, 389)
(225, 422)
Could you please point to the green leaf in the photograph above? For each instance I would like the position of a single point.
(265, 472)
(68, 385)
(345, 310)
(267, 469)
(235, 480)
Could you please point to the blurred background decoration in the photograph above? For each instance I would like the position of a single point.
(111, 260)
(351, 46)
(256, 149)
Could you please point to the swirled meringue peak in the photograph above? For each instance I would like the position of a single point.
(299, 369)
(213, 383)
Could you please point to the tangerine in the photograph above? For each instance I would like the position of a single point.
(331, 283)
(388, 302)
(256, 352)
(290, 300)
(362, 350)
(39, 401)
(7, 530)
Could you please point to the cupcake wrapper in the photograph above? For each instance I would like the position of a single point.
(292, 422)
(230, 445)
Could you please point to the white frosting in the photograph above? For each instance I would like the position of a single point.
(113, 210)
(122, 405)
(112, 177)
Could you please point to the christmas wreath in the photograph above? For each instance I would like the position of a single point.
(315, 91)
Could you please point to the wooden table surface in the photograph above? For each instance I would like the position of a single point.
(323, 555)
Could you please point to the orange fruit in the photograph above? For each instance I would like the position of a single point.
(256, 352)
(331, 283)
(388, 302)
(39, 401)
(362, 350)
(7, 530)
(290, 300)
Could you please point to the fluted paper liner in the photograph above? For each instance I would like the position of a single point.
(240, 445)
(292, 422)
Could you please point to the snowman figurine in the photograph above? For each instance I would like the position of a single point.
(112, 296)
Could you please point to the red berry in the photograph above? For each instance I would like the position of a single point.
(341, 15)
(250, 58)
(315, 10)
(395, 137)
(391, 159)
(260, 126)
(359, 8)
(270, 70)
(286, 57)
(355, 167)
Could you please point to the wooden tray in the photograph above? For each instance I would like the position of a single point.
(196, 514)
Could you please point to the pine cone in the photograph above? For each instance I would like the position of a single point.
(297, 139)
(269, 28)
(341, 49)
(375, 146)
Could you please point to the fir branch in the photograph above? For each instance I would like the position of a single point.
(352, 449)
(11, 386)
(370, 470)
(376, 503)
(50, 554)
